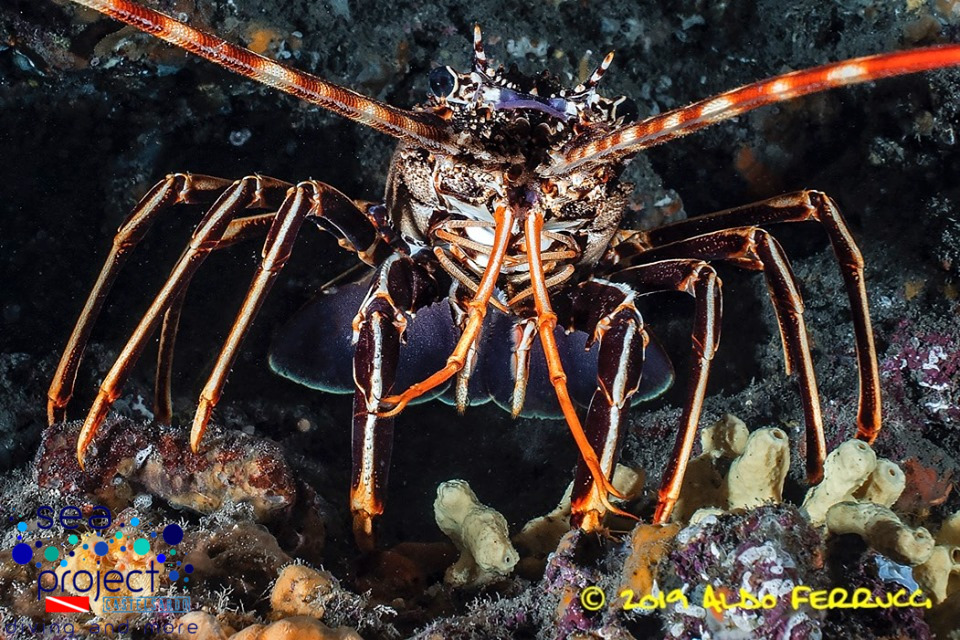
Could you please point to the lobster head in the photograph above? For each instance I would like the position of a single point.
(519, 117)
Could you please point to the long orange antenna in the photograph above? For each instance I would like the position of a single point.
(420, 129)
(679, 122)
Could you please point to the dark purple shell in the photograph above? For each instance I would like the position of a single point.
(315, 349)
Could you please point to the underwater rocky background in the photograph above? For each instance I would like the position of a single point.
(93, 114)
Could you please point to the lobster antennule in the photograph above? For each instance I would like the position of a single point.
(596, 76)
(417, 128)
(479, 57)
(655, 130)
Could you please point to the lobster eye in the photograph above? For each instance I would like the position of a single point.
(626, 109)
(443, 82)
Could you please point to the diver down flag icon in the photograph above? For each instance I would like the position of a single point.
(67, 604)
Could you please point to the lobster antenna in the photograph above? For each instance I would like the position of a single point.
(631, 139)
(414, 127)
(595, 77)
(479, 57)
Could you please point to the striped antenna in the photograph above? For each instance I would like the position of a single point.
(655, 130)
(479, 57)
(595, 77)
(417, 128)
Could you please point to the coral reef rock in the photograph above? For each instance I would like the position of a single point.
(765, 551)
(230, 467)
(296, 628)
(301, 591)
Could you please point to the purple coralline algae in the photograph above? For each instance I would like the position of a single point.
(765, 553)
(922, 370)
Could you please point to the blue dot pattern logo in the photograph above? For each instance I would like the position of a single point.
(172, 534)
(22, 553)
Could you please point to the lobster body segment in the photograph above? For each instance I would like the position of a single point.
(315, 349)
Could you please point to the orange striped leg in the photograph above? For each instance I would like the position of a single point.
(332, 211)
(380, 326)
(177, 188)
(524, 333)
(400, 287)
(546, 323)
(755, 248)
(163, 381)
(238, 231)
(462, 385)
(700, 280)
(476, 311)
(303, 200)
(242, 194)
(812, 206)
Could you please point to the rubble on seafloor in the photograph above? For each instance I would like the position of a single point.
(737, 562)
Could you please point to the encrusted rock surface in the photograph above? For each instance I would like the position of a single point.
(231, 467)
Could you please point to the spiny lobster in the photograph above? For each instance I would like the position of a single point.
(500, 224)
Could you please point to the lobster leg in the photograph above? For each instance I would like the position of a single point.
(333, 211)
(525, 331)
(400, 287)
(163, 381)
(177, 188)
(800, 207)
(607, 313)
(600, 485)
(476, 312)
(300, 202)
(237, 231)
(698, 279)
(755, 248)
(245, 193)
(218, 228)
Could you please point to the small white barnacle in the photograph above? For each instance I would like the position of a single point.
(142, 456)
